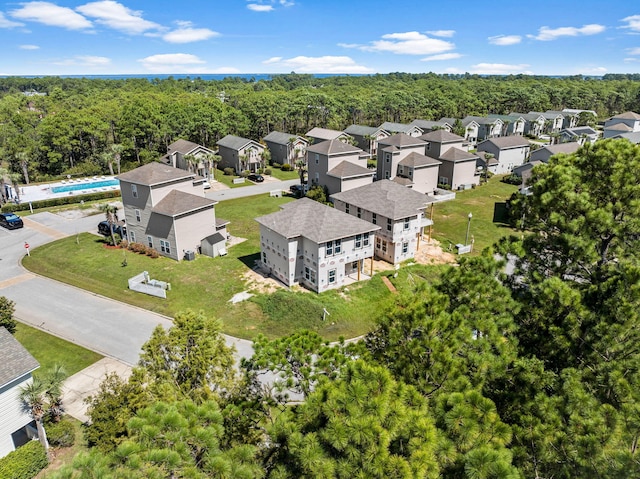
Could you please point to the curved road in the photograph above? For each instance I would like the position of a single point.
(109, 327)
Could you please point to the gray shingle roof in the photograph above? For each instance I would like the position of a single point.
(633, 137)
(362, 130)
(580, 130)
(220, 222)
(628, 115)
(441, 136)
(398, 127)
(178, 203)
(429, 124)
(547, 115)
(155, 173)
(402, 181)
(401, 140)
(527, 116)
(385, 198)
(506, 142)
(234, 142)
(324, 133)
(215, 238)
(416, 160)
(619, 127)
(182, 146)
(346, 169)
(315, 221)
(456, 154)
(480, 120)
(333, 147)
(562, 148)
(279, 137)
(16, 360)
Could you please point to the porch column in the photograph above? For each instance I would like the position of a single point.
(371, 265)
(359, 270)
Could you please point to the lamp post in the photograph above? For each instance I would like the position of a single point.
(466, 239)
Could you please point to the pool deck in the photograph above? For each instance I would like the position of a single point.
(44, 191)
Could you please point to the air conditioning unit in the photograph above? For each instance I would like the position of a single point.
(189, 255)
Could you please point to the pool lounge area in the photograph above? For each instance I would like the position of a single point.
(77, 187)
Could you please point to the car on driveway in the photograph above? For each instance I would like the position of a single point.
(297, 190)
(11, 221)
(118, 229)
(206, 184)
(255, 177)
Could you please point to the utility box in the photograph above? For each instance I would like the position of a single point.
(189, 255)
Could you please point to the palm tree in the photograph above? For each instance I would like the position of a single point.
(111, 215)
(53, 392)
(213, 159)
(15, 181)
(192, 161)
(23, 158)
(32, 395)
(3, 179)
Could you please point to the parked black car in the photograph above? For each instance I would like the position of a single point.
(297, 190)
(11, 221)
(119, 229)
(255, 177)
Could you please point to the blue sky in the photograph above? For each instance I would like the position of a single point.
(319, 36)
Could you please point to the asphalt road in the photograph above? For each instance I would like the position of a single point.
(256, 189)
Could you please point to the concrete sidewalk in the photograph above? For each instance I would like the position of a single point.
(87, 383)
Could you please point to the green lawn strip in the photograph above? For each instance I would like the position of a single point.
(284, 175)
(487, 205)
(50, 350)
(228, 180)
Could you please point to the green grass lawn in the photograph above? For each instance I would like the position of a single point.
(50, 350)
(228, 180)
(284, 175)
(487, 205)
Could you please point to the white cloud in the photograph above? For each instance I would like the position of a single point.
(187, 34)
(85, 61)
(406, 43)
(29, 47)
(633, 23)
(499, 69)
(325, 64)
(633, 51)
(503, 40)
(441, 56)
(172, 63)
(593, 71)
(259, 8)
(547, 34)
(53, 15)
(442, 33)
(6, 23)
(117, 16)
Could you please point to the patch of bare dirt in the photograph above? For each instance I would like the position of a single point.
(261, 283)
(430, 252)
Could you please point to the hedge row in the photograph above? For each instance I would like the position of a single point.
(25, 462)
(63, 200)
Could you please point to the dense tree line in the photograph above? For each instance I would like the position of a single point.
(481, 375)
(83, 126)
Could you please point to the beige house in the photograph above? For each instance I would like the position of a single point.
(337, 166)
(421, 171)
(392, 150)
(17, 427)
(397, 210)
(241, 154)
(509, 151)
(458, 168)
(367, 137)
(286, 148)
(318, 135)
(315, 245)
(165, 209)
(190, 156)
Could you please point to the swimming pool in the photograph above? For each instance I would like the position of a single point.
(87, 185)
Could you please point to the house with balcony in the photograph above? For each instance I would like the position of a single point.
(190, 156)
(398, 211)
(337, 165)
(569, 118)
(165, 208)
(392, 150)
(487, 127)
(508, 151)
(286, 148)
(628, 122)
(511, 124)
(579, 134)
(553, 121)
(471, 128)
(316, 246)
(395, 128)
(534, 123)
(318, 135)
(367, 137)
(241, 154)
(17, 427)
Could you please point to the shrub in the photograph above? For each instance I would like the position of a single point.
(442, 186)
(229, 171)
(372, 164)
(124, 244)
(61, 434)
(137, 248)
(153, 253)
(64, 200)
(512, 180)
(267, 171)
(245, 173)
(286, 167)
(25, 462)
(276, 165)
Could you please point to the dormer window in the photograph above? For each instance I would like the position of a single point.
(134, 190)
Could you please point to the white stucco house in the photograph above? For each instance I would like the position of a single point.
(509, 151)
(16, 425)
(314, 245)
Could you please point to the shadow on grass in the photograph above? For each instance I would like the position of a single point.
(501, 214)
(249, 260)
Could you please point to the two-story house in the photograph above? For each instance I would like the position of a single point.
(543, 154)
(429, 125)
(17, 427)
(395, 128)
(338, 166)
(509, 152)
(628, 122)
(458, 167)
(394, 149)
(318, 135)
(285, 148)
(511, 124)
(397, 210)
(534, 123)
(580, 134)
(419, 172)
(239, 153)
(487, 127)
(315, 245)
(553, 121)
(165, 209)
(569, 119)
(190, 156)
(367, 137)
(471, 128)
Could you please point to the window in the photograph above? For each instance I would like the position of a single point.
(365, 239)
(150, 241)
(389, 225)
(132, 236)
(346, 208)
(264, 258)
(407, 222)
(333, 247)
(165, 246)
(134, 190)
(329, 249)
(359, 212)
(317, 158)
(138, 218)
(387, 157)
(387, 175)
(338, 246)
(332, 276)
(374, 218)
(309, 275)
(444, 180)
(378, 243)
(358, 241)
(384, 246)
(405, 248)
